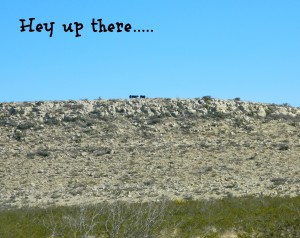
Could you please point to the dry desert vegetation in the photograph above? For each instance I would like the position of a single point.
(57, 153)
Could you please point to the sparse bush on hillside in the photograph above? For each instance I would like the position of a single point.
(271, 117)
(207, 99)
(154, 120)
(52, 121)
(217, 115)
(30, 155)
(286, 105)
(25, 125)
(72, 118)
(19, 135)
(42, 152)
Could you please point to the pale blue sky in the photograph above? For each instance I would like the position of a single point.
(226, 48)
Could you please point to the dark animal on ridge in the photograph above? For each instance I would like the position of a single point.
(133, 96)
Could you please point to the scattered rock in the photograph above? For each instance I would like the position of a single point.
(141, 149)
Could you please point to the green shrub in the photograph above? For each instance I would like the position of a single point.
(245, 217)
(207, 99)
(154, 120)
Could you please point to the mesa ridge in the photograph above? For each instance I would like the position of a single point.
(73, 152)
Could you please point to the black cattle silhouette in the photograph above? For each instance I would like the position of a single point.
(136, 96)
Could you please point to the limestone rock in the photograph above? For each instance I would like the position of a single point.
(71, 152)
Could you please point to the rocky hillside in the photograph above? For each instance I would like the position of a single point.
(70, 152)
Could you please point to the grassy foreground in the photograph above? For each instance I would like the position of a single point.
(229, 217)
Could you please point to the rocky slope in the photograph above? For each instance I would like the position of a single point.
(71, 152)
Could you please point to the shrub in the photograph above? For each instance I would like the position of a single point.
(244, 216)
(25, 126)
(19, 135)
(154, 120)
(285, 105)
(43, 153)
(207, 99)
